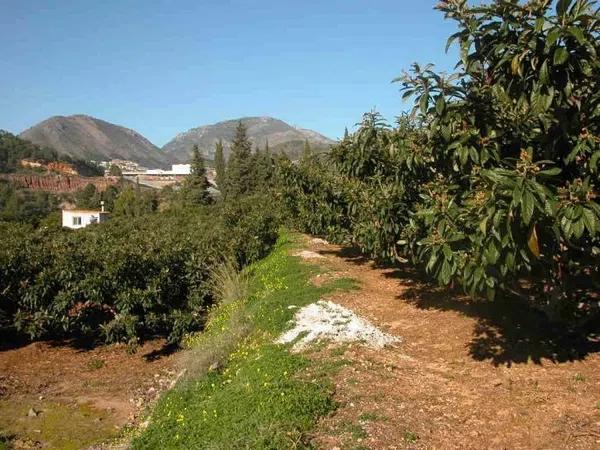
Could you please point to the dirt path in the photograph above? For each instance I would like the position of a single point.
(54, 395)
(465, 375)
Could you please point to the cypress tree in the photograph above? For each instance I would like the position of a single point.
(240, 165)
(220, 165)
(196, 184)
(307, 151)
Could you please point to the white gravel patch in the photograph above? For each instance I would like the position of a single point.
(307, 254)
(325, 320)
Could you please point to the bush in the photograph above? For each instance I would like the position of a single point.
(126, 279)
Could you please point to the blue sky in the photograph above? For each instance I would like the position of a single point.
(162, 67)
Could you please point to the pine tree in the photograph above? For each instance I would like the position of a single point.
(240, 165)
(195, 188)
(220, 165)
(346, 134)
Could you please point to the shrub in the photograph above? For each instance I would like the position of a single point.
(126, 279)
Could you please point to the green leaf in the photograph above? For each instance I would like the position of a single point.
(560, 56)
(539, 24)
(578, 228)
(423, 102)
(552, 38)
(440, 104)
(527, 206)
(451, 39)
(550, 172)
(492, 253)
(594, 160)
(562, 6)
(589, 220)
(577, 33)
(544, 76)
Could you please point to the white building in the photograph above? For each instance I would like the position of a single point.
(181, 169)
(81, 218)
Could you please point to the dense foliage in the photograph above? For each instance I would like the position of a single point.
(492, 182)
(128, 278)
(18, 205)
(13, 149)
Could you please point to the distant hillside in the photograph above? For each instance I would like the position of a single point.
(89, 138)
(282, 137)
(20, 155)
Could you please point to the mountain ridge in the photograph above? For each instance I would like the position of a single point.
(281, 137)
(87, 137)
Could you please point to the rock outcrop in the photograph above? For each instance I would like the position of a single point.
(53, 166)
(58, 183)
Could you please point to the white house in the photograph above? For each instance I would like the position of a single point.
(181, 169)
(81, 218)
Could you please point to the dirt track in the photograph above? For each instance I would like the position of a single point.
(466, 375)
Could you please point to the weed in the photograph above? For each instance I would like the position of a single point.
(357, 431)
(95, 364)
(339, 350)
(5, 442)
(228, 284)
(579, 378)
(411, 437)
(368, 417)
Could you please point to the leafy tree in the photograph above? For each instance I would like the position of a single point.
(88, 197)
(18, 205)
(135, 202)
(220, 166)
(492, 182)
(109, 196)
(115, 171)
(195, 187)
(239, 175)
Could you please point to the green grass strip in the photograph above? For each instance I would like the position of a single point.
(262, 396)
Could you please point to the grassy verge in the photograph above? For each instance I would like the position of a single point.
(243, 391)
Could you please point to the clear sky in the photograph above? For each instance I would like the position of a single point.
(164, 66)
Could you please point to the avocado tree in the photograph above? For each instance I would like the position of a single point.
(492, 181)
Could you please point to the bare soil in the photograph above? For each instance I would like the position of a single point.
(466, 374)
(59, 395)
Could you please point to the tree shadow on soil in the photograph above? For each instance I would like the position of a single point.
(84, 344)
(507, 331)
(166, 350)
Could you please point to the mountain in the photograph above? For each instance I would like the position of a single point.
(282, 137)
(88, 138)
